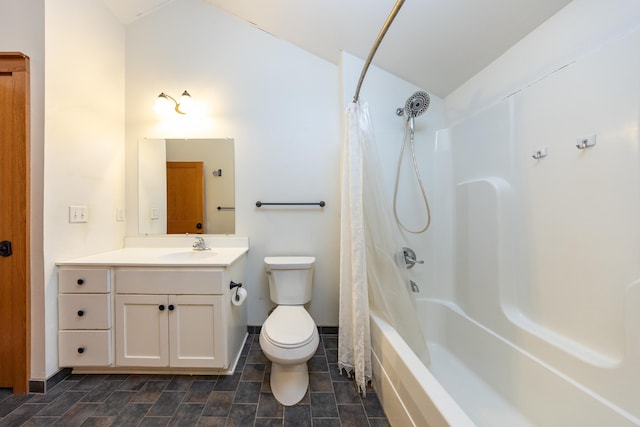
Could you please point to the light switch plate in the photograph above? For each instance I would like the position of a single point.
(78, 213)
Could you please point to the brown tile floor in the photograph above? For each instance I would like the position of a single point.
(243, 399)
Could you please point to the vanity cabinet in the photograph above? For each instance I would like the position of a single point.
(153, 309)
(171, 318)
(182, 331)
(84, 317)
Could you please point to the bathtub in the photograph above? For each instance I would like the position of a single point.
(477, 378)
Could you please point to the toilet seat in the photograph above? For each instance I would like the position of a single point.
(289, 326)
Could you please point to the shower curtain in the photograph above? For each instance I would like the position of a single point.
(354, 341)
(370, 273)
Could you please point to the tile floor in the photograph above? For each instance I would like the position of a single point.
(243, 399)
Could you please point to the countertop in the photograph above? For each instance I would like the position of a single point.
(160, 257)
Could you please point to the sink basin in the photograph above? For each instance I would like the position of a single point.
(187, 255)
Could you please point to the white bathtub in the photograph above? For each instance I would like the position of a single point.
(477, 378)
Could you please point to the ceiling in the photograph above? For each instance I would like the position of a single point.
(434, 44)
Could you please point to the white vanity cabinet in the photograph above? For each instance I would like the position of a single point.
(153, 309)
(170, 331)
(84, 317)
(156, 327)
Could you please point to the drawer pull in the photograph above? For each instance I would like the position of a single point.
(80, 281)
(161, 307)
(80, 350)
(80, 313)
(171, 307)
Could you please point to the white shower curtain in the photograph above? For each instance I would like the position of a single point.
(354, 341)
(369, 247)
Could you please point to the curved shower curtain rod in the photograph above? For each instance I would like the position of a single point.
(374, 48)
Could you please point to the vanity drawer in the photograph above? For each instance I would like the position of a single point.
(84, 348)
(84, 311)
(84, 280)
(175, 282)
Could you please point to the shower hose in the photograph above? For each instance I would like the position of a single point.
(417, 174)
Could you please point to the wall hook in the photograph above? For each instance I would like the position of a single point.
(540, 153)
(586, 141)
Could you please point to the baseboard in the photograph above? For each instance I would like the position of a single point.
(323, 330)
(41, 386)
(254, 329)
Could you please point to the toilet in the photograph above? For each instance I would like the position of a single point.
(289, 337)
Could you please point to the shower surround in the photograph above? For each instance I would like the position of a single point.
(530, 290)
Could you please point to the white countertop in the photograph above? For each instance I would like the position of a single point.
(220, 255)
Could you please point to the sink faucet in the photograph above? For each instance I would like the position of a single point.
(200, 245)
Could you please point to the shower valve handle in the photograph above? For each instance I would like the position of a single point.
(410, 258)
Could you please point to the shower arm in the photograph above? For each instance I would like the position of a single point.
(374, 48)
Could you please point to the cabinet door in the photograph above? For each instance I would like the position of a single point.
(194, 331)
(142, 330)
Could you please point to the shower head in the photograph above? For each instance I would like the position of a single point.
(417, 104)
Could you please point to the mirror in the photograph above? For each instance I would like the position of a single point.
(212, 197)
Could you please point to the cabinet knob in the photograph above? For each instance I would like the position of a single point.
(161, 307)
(171, 307)
(80, 350)
(80, 313)
(80, 281)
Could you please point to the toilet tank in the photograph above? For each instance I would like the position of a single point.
(290, 279)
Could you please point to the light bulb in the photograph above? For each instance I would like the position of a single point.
(163, 104)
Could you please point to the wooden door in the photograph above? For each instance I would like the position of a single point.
(185, 198)
(15, 290)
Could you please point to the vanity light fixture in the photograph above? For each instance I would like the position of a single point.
(166, 102)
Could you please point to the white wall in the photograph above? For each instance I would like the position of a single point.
(577, 29)
(84, 132)
(281, 106)
(22, 30)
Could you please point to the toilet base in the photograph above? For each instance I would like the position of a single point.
(289, 382)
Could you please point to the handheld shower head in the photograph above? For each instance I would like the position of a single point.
(417, 104)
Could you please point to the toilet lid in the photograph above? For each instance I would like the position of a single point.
(289, 262)
(289, 326)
